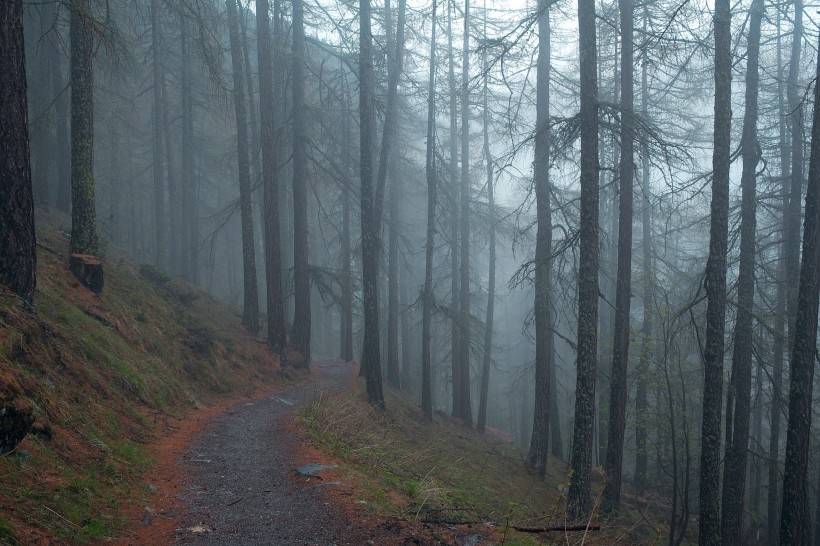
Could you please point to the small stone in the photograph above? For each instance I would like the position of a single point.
(23, 454)
(152, 488)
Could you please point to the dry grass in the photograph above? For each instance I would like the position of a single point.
(445, 472)
(102, 373)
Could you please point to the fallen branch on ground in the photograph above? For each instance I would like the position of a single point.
(552, 528)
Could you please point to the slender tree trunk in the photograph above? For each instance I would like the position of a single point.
(371, 359)
(715, 283)
(465, 404)
(407, 366)
(430, 171)
(641, 400)
(455, 341)
(270, 182)
(190, 255)
(41, 130)
(488, 323)
(347, 273)
(738, 401)
(613, 464)
(160, 252)
(250, 313)
(539, 443)
(84, 237)
(173, 187)
(393, 369)
(779, 344)
(18, 256)
(579, 487)
(300, 334)
(63, 149)
(795, 518)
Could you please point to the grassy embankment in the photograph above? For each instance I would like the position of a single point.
(444, 472)
(101, 373)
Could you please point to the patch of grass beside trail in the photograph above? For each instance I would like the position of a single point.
(445, 472)
(102, 374)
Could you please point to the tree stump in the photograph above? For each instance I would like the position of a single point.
(88, 270)
(15, 422)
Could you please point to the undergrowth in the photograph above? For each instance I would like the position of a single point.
(101, 373)
(443, 472)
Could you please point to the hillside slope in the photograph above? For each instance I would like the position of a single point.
(99, 374)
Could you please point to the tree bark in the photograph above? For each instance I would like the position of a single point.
(613, 464)
(430, 171)
(18, 257)
(371, 359)
(642, 371)
(738, 400)
(270, 182)
(579, 487)
(84, 237)
(455, 212)
(779, 344)
(250, 312)
(189, 193)
(488, 323)
(395, 66)
(465, 405)
(795, 518)
(715, 283)
(160, 252)
(347, 274)
(61, 102)
(539, 441)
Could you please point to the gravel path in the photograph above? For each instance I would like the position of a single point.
(240, 477)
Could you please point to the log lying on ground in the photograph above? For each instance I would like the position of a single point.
(552, 528)
(88, 270)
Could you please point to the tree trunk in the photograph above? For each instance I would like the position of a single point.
(160, 252)
(430, 171)
(488, 323)
(395, 66)
(63, 149)
(270, 183)
(407, 366)
(18, 257)
(371, 359)
(300, 334)
(465, 405)
(794, 517)
(539, 443)
(84, 237)
(579, 498)
(250, 312)
(455, 340)
(347, 274)
(189, 194)
(738, 401)
(41, 130)
(715, 283)
(779, 343)
(641, 400)
(613, 464)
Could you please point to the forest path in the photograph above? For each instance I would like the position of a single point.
(235, 482)
(229, 478)
(241, 475)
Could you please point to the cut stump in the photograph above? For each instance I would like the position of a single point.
(88, 270)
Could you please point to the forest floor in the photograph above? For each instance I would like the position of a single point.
(228, 475)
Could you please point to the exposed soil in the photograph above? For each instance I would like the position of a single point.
(227, 475)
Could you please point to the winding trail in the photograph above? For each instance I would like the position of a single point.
(240, 471)
(233, 482)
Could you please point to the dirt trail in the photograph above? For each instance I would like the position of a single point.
(233, 482)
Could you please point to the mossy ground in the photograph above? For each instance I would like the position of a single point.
(444, 471)
(101, 372)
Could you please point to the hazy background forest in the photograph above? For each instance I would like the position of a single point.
(398, 184)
